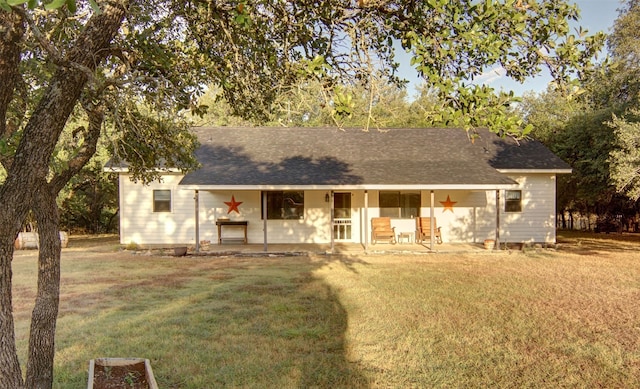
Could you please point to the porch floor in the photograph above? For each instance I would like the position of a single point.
(339, 248)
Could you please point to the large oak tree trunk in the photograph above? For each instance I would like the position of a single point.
(10, 374)
(26, 187)
(45, 311)
(12, 210)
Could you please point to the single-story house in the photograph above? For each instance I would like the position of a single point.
(324, 185)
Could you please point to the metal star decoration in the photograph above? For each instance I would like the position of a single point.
(233, 205)
(448, 204)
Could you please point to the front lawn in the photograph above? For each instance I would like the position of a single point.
(566, 318)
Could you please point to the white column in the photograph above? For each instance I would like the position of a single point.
(197, 206)
(264, 218)
(497, 245)
(432, 221)
(331, 221)
(365, 227)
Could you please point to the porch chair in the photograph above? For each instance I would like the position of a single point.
(423, 230)
(381, 229)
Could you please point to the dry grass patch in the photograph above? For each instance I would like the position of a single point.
(566, 318)
(544, 320)
(203, 322)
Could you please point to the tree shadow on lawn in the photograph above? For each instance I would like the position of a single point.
(217, 322)
(586, 243)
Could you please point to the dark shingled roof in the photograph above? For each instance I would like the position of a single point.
(330, 156)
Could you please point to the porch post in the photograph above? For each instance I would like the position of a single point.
(264, 219)
(331, 221)
(197, 206)
(432, 222)
(365, 227)
(497, 245)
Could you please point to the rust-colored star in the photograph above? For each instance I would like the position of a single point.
(233, 205)
(448, 205)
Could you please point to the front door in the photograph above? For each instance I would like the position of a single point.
(342, 216)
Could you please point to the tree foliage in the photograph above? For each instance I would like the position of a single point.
(618, 83)
(623, 92)
(458, 41)
(625, 158)
(580, 136)
(376, 105)
(129, 71)
(596, 130)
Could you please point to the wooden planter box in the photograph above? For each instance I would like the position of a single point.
(134, 373)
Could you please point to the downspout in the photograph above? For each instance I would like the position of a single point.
(197, 206)
(264, 219)
(432, 222)
(497, 245)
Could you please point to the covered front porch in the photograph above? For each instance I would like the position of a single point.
(341, 248)
(330, 218)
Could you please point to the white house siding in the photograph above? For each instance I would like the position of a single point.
(314, 228)
(472, 218)
(536, 222)
(139, 224)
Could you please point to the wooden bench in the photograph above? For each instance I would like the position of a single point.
(381, 230)
(423, 230)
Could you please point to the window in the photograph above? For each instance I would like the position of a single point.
(399, 204)
(162, 200)
(513, 201)
(285, 205)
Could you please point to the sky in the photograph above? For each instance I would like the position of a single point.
(595, 15)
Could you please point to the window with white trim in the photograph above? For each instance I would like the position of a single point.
(513, 201)
(161, 200)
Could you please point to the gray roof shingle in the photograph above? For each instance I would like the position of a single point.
(232, 156)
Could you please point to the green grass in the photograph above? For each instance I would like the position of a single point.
(569, 318)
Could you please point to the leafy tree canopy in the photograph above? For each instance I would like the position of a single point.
(596, 131)
(621, 90)
(625, 157)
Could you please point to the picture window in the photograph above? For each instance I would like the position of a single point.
(283, 205)
(401, 205)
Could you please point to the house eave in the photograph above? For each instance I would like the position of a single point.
(351, 187)
(535, 171)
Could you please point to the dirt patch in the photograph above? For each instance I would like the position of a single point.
(117, 377)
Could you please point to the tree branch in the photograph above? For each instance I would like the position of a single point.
(12, 30)
(95, 114)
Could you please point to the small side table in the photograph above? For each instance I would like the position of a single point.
(406, 235)
(228, 223)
